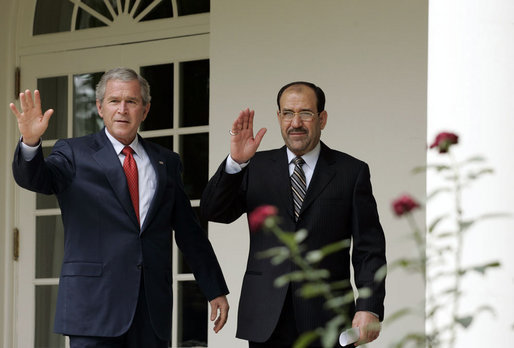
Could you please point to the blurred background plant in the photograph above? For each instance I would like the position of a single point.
(313, 279)
(438, 258)
(440, 249)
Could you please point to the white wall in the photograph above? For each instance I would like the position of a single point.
(471, 82)
(370, 58)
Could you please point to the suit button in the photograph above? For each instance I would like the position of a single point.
(139, 266)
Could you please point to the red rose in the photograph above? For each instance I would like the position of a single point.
(259, 215)
(404, 204)
(444, 140)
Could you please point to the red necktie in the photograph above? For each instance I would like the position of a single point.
(130, 168)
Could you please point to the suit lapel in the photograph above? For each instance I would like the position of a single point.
(110, 166)
(159, 166)
(323, 174)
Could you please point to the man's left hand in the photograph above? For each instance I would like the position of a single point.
(369, 327)
(219, 303)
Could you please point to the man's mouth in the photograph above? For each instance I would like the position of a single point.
(295, 132)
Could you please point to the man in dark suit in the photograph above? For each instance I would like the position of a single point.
(120, 198)
(336, 203)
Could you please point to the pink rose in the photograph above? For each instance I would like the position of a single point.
(404, 204)
(444, 140)
(259, 215)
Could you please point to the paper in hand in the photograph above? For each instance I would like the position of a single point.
(349, 336)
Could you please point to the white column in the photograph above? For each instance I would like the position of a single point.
(470, 92)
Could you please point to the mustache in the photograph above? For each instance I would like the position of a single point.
(296, 130)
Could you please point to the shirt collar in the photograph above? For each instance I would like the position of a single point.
(310, 158)
(118, 147)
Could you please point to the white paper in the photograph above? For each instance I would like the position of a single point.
(349, 336)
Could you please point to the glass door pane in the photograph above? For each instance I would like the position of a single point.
(46, 299)
(160, 77)
(54, 95)
(85, 115)
(192, 316)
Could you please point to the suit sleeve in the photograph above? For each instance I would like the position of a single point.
(49, 176)
(223, 198)
(195, 246)
(368, 254)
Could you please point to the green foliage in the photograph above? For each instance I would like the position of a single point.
(441, 249)
(314, 282)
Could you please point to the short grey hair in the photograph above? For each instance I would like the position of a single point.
(123, 74)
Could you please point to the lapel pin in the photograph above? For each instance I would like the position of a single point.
(161, 162)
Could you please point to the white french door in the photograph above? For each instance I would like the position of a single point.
(178, 72)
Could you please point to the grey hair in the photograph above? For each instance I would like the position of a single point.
(123, 74)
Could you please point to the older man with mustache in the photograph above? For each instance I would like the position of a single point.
(314, 187)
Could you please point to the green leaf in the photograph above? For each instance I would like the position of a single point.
(314, 256)
(281, 281)
(493, 216)
(300, 235)
(437, 167)
(444, 235)
(335, 247)
(342, 284)
(465, 321)
(311, 290)
(306, 339)
(419, 169)
(482, 268)
(381, 273)
(274, 252)
(478, 174)
(486, 308)
(295, 276)
(476, 158)
(364, 292)
(332, 329)
(317, 274)
(339, 301)
(436, 222)
(466, 224)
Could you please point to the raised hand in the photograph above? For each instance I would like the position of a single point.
(243, 144)
(32, 123)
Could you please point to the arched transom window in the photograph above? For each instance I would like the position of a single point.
(54, 16)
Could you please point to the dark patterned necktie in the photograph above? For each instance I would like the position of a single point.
(130, 168)
(298, 185)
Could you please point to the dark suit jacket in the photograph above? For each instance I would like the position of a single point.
(105, 251)
(339, 204)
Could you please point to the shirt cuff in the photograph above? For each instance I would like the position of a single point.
(28, 152)
(232, 167)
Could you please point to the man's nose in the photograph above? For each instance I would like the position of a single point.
(122, 107)
(296, 122)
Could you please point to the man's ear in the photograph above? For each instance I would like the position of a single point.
(323, 119)
(99, 108)
(147, 109)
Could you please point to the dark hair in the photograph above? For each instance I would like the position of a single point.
(320, 96)
(123, 74)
